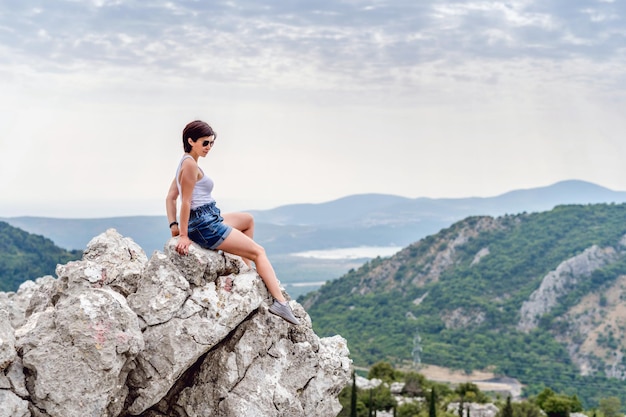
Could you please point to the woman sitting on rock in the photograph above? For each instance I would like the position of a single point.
(202, 223)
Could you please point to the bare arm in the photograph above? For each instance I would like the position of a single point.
(188, 178)
(170, 207)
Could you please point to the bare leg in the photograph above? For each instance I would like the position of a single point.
(244, 222)
(240, 244)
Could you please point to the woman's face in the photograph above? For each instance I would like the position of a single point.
(203, 145)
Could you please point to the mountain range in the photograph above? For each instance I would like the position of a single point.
(357, 220)
(538, 297)
(376, 220)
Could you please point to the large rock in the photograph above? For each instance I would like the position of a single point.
(118, 334)
(7, 341)
(17, 303)
(78, 353)
(268, 368)
(558, 282)
(201, 320)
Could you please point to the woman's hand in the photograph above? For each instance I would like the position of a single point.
(183, 245)
(175, 230)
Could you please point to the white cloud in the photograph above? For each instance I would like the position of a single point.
(597, 16)
(312, 101)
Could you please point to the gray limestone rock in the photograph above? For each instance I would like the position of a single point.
(7, 341)
(269, 368)
(116, 334)
(17, 380)
(558, 282)
(17, 303)
(77, 354)
(12, 405)
(121, 260)
(161, 291)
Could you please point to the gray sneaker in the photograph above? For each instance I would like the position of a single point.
(284, 312)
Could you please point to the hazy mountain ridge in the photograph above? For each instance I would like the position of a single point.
(375, 209)
(358, 220)
(349, 222)
(537, 297)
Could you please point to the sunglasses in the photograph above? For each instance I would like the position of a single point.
(209, 142)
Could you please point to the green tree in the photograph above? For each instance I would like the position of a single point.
(353, 397)
(557, 406)
(384, 399)
(345, 399)
(383, 371)
(411, 409)
(470, 392)
(543, 396)
(507, 411)
(432, 404)
(610, 406)
(413, 384)
(460, 410)
(378, 398)
(526, 409)
(576, 405)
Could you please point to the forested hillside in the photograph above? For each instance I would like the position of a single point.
(537, 297)
(25, 256)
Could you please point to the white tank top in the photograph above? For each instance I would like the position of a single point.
(201, 194)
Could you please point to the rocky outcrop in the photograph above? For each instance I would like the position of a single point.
(118, 334)
(593, 331)
(558, 282)
(461, 318)
(480, 255)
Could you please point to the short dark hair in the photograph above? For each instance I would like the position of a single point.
(194, 130)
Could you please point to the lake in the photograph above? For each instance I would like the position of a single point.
(302, 272)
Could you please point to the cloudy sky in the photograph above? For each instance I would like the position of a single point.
(312, 100)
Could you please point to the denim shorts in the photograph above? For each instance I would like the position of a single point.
(206, 226)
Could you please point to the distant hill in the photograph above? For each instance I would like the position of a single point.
(358, 220)
(370, 210)
(534, 296)
(25, 256)
(349, 222)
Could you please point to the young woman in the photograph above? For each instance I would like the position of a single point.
(202, 223)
